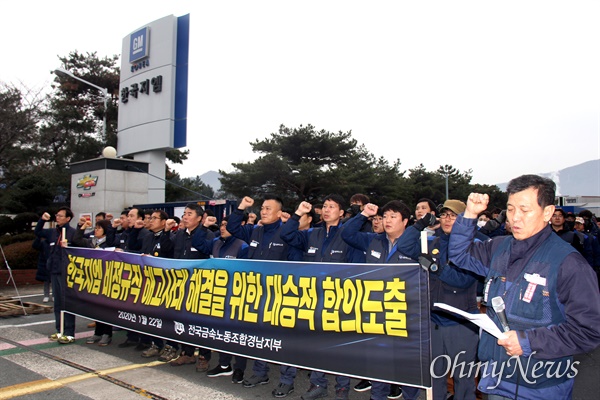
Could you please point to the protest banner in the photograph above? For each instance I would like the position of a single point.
(368, 321)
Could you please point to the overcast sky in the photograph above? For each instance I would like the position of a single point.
(502, 88)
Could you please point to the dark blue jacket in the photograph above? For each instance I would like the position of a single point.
(264, 241)
(527, 307)
(57, 257)
(80, 239)
(183, 245)
(318, 244)
(595, 250)
(571, 237)
(230, 247)
(157, 244)
(40, 244)
(575, 290)
(591, 249)
(375, 246)
(122, 239)
(450, 284)
(218, 247)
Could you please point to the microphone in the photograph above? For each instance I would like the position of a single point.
(498, 305)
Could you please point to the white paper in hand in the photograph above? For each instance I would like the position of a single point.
(481, 320)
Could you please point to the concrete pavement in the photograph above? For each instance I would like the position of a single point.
(33, 367)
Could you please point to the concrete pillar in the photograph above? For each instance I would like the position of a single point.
(156, 167)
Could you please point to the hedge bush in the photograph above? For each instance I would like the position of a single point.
(7, 225)
(22, 237)
(24, 220)
(20, 255)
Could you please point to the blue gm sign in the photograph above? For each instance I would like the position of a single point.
(139, 45)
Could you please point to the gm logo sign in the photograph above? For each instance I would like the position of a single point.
(139, 45)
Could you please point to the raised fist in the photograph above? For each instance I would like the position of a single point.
(246, 202)
(210, 220)
(370, 210)
(476, 203)
(427, 220)
(170, 224)
(304, 208)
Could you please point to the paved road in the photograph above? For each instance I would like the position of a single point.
(34, 368)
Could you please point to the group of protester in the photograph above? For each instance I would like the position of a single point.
(549, 289)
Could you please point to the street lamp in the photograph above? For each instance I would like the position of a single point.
(64, 72)
(446, 172)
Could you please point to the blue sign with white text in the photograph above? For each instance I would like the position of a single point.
(139, 45)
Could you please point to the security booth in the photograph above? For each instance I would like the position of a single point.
(107, 185)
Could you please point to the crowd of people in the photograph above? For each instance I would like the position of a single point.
(541, 260)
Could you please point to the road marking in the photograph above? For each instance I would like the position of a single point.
(31, 295)
(33, 342)
(86, 372)
(43, 385)
(25, 296)
(30, 324)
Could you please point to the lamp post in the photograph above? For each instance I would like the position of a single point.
(64, 72)
(446, 172)
(446, 186)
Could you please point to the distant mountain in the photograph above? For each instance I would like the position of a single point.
(211, 178)
(578, 180)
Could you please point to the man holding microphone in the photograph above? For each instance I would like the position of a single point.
(551, 298)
